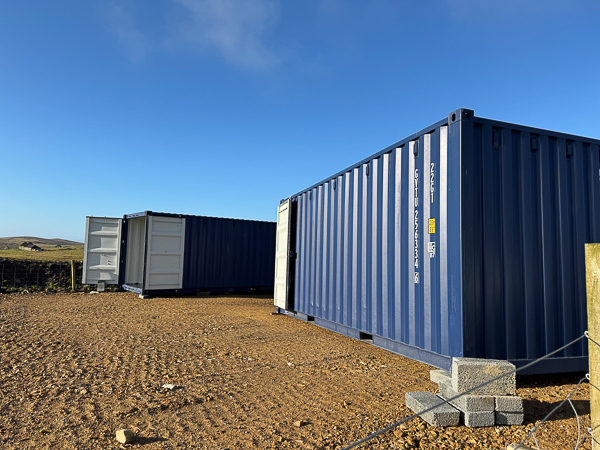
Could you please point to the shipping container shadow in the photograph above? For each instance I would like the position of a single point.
(548, 380)
(539, 385)
(536, 410)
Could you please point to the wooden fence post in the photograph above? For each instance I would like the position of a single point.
(72, 276)
(592, 276)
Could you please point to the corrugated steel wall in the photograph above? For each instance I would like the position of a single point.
(535, 204)
(228, 253)
(500, 273)
(362, 238)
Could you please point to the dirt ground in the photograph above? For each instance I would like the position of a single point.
(74, 368)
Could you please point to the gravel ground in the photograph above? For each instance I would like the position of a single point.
(75, 368)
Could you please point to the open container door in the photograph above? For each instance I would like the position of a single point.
(284, 256)
(164, 253)
(102, 251)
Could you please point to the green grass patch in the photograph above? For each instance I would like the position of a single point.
(49, 254)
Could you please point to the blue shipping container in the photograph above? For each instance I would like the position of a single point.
(465, 239)
(158, 253)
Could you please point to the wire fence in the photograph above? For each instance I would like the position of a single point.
(33, 276)
(531, 434)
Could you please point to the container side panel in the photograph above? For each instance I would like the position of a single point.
(418, 224)
(459, 328)
(312, 252)
(513, 282)
(536, 213)
(533, 297)
(404, 216)
(593, 170)
(329, 223)
(374, 236)
(339, 246)
(348, 250)
(431, 230)
(428, 306)
(566, 241)
(229, 254)
(399, 253)
(472, 217)
(450, 330)
(586, 217)
(320, 252)
(494, 324)
(412, 206)
(332, 269)
(551, 256)
(370, 244)
(356, 245)
(366, 260)
(385, 307)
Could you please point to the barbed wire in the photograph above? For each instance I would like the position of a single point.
(445, 402)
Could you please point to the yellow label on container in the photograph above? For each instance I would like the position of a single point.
(431, 226)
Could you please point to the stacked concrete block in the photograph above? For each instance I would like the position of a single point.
(496, 403)
(442, 416)
(468, 373)
(475, 410)
(437, 376)
(509, 410)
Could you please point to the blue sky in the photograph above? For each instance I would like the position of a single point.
(224, 107)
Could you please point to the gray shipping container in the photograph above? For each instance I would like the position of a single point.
(464, 239)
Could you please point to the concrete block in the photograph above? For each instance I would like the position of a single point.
(442, 416)
(468, 402)
(509, 418)
(509, 403)
(437, 376)
(468, 373)
(478, 419)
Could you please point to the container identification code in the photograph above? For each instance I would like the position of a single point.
(416, 224)
(432, 181)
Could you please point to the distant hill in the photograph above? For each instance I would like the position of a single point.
(14, 242)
